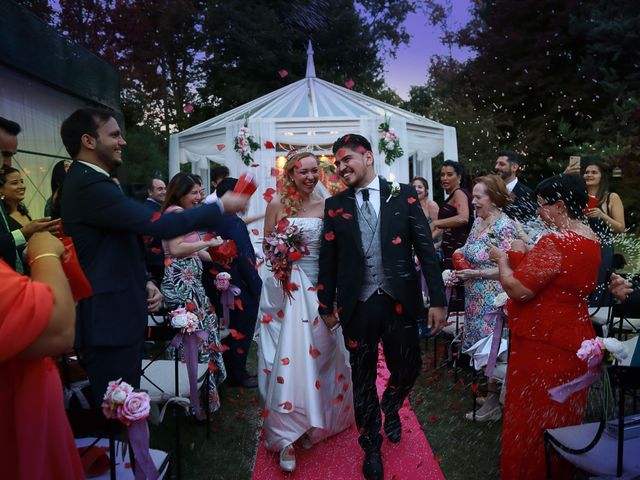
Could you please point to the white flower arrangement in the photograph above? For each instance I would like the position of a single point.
(185, 320)
(245, 144)
(449, 278)
(389, 142)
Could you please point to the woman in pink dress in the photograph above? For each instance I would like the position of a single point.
(37, 320)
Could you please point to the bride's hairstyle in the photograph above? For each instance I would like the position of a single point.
(287, 190)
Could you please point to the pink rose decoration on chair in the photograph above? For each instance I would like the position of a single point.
(222, 281)
(136, 407)
(591, 352)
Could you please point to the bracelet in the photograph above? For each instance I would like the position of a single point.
(42, 255)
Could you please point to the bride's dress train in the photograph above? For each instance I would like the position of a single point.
(303, 368)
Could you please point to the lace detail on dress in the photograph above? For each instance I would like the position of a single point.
(311, 228)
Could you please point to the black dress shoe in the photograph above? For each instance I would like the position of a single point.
(393, 427)
(372, 466)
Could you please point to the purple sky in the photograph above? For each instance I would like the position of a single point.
(412, 61)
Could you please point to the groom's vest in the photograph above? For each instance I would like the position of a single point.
(374, 277)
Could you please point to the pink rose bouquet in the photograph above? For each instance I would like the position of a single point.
(223, 281)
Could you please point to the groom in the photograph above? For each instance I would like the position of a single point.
(371, 232)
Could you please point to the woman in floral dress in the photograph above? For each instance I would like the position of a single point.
(182, 283)
(481, 285)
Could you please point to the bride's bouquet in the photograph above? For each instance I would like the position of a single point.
(283, 246)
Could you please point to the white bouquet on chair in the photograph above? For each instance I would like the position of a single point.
(185, 320)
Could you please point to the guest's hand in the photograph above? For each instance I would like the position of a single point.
(214, 242)
(234, 202)
(572, 168)
(518, 246)
(41, 225)
(595, 213)
(154, 297)
(330, 321)
(495, 254)
(467, 274)
(44, 242)
(436, 319)
(620, 287)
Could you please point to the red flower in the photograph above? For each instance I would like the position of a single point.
(295, 255)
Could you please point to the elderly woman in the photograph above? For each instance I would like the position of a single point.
(481, 285)
(37, 320)
(548, 317)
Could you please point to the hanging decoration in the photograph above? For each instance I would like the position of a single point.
(245, 144)
(389, 143)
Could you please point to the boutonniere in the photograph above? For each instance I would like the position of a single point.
(395, 190)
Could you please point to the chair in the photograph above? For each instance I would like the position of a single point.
(455, 311)
(604, 454)
(166, 381)
(623, 320)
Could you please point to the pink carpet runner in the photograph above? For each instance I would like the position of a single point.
(340, 457)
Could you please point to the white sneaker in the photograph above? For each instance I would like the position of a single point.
(489, 415)
(288, 458)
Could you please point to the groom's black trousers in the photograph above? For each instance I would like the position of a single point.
(373, 320)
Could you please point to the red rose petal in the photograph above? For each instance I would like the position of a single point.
(220, 146)
(396, 241)
(266, 371)
(411, 200)
(167, 262)
(317, 384)
(284, 361)
(286, 405)
(238, 304)
(255, 231)
(329, 236)
(280, 380)
(347, 216)
(268, 144)
(331, 213)
(352, 343)
(280, 314)
(314, 352)
(399, 308)
(213, 367)
(265, 413)
(155, 216)
(268, 194)
(236, 334)
(266, 318)
(338, 399)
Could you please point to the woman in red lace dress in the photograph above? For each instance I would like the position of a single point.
(548, 289)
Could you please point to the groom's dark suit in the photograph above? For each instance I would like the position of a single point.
(106, 228)
(390, 313)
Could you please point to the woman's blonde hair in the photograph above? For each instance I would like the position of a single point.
(287, 190)
(496, 189)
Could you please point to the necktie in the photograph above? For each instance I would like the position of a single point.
(368, 212)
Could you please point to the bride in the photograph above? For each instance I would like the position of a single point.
(303, 368)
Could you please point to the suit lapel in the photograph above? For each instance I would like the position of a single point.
(350, 207)
(385, 211)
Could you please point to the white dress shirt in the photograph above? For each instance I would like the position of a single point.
(95, 167)
(512, 184)
(374, 195)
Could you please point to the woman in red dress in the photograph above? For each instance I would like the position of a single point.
(548, 317)
(37, 320)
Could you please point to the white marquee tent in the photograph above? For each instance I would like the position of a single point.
(311, 113)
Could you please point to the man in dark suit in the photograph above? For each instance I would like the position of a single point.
(245, 276)
(366, 261)
(524, 205)
(10, 240)
(106, 228)
(156, 193)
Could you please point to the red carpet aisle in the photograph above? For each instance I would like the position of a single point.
(340, 457)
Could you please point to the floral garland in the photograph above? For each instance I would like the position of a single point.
(245, 144)
(389, 142)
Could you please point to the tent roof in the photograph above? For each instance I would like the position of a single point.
(308, 99)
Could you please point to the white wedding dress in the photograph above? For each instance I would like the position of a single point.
(303, 368)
